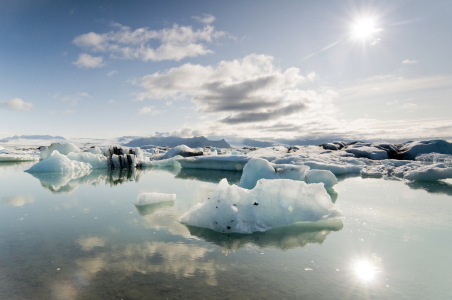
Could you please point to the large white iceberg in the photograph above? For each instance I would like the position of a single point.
(270, 204)
(59, 163)
(65, 149)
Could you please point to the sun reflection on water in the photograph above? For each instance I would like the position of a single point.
(367, 269)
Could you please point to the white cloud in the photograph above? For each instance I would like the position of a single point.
(16, 104)
(148, 110)
(410, 62)
(73, 99)
(112, 73)
(206, 18)
(252, 88)
(87, 61)
(176, 42)
(111, 101)
(65, 112)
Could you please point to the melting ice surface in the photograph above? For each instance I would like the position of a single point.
(78, 235)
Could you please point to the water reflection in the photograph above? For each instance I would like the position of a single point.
(438, 187)
(367, 269)
(69, 181)
(179, 260)
(149, 209)
(18, 200)
(283, 237)
(214, 176)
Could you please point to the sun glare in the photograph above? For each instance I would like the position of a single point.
(364, 28)
(365, 270)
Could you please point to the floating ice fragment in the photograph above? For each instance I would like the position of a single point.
(149, 198)
(280, 202)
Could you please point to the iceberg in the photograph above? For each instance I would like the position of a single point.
(429, 173)
(410, 150)
(258, 168)
(58, 163)
(181, 150)
(64, 148)
(270, 204)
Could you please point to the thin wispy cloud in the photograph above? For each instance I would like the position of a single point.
(66, 112)
(410, 62)
(111, 73)
(206, 18)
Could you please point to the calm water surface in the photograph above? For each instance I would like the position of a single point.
(79, 236)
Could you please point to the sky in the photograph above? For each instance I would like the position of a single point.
(240, 69)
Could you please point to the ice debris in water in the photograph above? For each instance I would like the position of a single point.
(270, 204)
(164, 163)
(151, 198)
(258, 168)
(65, 149)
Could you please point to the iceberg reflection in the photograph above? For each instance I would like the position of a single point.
(433, 187)
(214, 176)
(69, 181)
(149, 209)
(282, 237)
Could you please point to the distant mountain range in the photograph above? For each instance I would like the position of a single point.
(255, 143)
(33, 137)
(174, 141)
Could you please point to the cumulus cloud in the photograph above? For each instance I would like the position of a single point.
(176, 42)
(17, 104)
(409, 62)
(252, 88)
(87, 61)
(206, 18)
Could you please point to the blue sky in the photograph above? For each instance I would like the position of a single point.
(260, 69)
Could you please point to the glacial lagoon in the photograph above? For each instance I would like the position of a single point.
(78, 235)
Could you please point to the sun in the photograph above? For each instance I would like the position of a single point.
(364, 29)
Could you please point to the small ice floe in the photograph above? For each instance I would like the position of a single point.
(148, 203)
(150, 198)
(270, 204)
